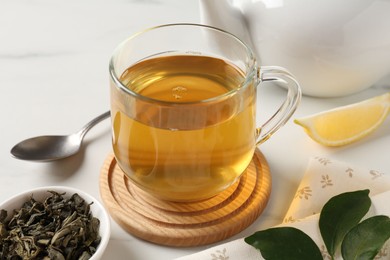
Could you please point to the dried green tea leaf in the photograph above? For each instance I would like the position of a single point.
(57, 228)
(55, 253)
(340, 214)
(366, 239)
(284, 243)
(3, 215)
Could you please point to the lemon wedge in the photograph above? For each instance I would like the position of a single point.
(346, 124)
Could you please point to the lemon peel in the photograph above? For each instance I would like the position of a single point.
(346, 124)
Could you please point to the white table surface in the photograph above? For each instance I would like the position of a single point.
(54, 79)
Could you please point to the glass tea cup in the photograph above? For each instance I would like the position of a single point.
(183, 109)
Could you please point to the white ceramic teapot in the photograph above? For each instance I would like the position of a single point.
(333, 47)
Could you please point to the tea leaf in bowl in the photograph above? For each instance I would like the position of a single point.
(57, 228)
(366, 239)
(284, 243)
(340, 214)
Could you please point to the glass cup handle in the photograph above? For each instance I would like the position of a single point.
(288, 107)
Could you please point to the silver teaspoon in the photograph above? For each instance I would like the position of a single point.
(53, 147)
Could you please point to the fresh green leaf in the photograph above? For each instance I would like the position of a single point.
(340, 214)
(284, 243)
(366, 239)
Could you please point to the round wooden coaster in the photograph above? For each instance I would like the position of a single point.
(186, 223)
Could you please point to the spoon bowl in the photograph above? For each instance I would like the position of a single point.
(53, 147)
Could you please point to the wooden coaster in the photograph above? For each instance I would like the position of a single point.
(186, 223)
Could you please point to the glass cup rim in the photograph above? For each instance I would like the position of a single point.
(248, 76)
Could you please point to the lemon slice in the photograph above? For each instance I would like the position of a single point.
(346, 124)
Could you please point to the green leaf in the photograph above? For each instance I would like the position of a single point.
(366, 239)
(340, 214)
(284, 243)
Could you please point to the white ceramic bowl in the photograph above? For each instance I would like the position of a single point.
(40, 194)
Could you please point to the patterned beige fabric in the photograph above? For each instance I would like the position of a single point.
(323, 179)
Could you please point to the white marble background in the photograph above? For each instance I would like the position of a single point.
(54, 78)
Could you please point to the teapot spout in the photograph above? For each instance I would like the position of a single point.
(226, 16)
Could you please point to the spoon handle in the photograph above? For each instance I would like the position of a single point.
(92, 123)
